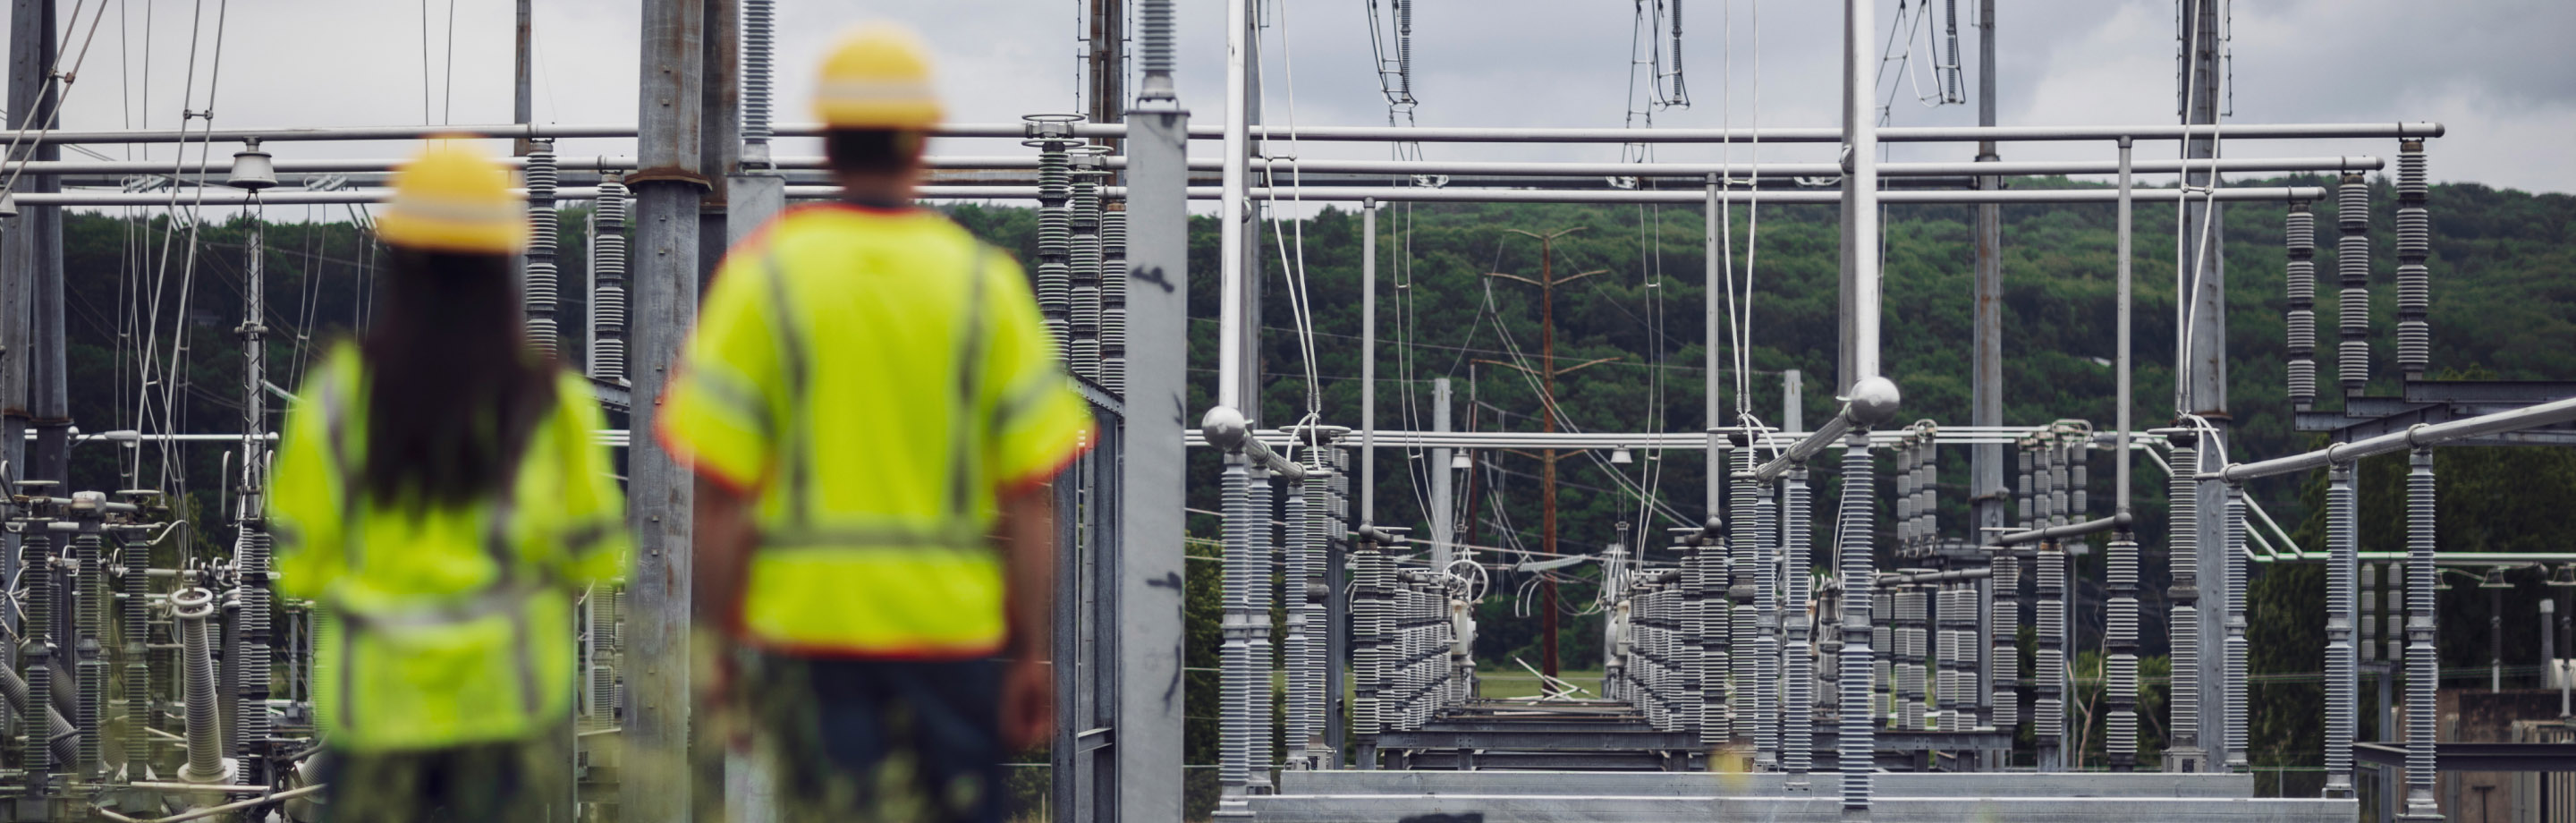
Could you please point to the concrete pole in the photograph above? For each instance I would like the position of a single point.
(657, 783)
(1986, 490)
(1145, 617)
(2202, 376)
(1444, 525)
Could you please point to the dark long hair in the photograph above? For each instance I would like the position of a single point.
(455, 391)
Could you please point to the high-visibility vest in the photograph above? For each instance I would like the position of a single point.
(454, 622)
(875, 378)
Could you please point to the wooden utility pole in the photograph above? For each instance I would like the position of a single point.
(1547, 373)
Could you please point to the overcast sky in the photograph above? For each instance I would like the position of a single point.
(2499, 73)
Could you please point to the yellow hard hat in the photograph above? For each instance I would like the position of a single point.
(452, 198)
(877, 78)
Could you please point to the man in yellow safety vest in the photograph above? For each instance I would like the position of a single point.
(870, 400)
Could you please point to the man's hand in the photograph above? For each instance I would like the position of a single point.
(1028, 704)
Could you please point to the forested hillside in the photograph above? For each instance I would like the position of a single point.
(2504, 305)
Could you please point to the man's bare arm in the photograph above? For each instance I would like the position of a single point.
(1027, 531)
(721, 537)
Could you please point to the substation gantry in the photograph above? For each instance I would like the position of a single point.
(1767, 644)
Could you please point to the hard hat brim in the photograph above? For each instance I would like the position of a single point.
(436, 234)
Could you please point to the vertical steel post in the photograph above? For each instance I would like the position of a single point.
(1105, 63)
(1368, 363)
(1860, 195)
(1986, 490)
(2342, 542)
(1233, 217)
(34, 252)
(1144, 627)
(668, 183)
(2422, 667)
(2120, 638)
(1713, 367)
(1444, 525)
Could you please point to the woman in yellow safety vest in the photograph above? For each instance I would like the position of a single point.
(441, 496)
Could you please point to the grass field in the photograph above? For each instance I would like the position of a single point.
(1518, 682)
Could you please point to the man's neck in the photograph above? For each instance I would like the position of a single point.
(884, 191)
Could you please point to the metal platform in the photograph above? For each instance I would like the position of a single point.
(1562, 797)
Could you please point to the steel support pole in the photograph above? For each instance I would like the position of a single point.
(2120, 635)
(1444, 522)
(1860, 196)
(1145, 584)
(1986, 490)
(1713, 366)
(1233, 217)
(2202, 374)
(1368, 362)
(34, 260)
(657, 782)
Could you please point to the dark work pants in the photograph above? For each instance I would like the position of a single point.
(881, 740)
(513, 782)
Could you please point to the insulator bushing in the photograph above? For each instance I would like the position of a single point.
(2414, 244)
(251, 553)
(608, 283)
(1798, 687)
(2237, 569)
(1859, 573)
(1113, 298)
(759, 44)
(194, 608)
(2299, 235)
(2422, 667)
(2182, 550)
(538, 273)
(89, 653)
(2352, 264)
(2342, 685)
